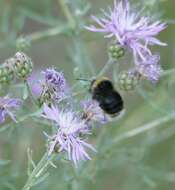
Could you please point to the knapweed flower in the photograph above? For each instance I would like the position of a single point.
(93, 112)
(130, 29)
(70, 135)
(55, 85)
(55, 79)
(6, 107)
(150, 68)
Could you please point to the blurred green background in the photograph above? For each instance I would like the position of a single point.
(145, 161)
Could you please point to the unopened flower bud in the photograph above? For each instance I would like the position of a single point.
(22, 44)
(116, 51)
(6, 72)
(23, 65)
(128, 80)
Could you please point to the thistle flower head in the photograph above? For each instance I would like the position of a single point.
(54, 85)
(150, 68)
(55, 79)
(130, 29)
(6, 107)
(69, 129)
(93, 112)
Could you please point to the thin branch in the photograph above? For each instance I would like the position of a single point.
(67, 13)
(48, 33)
(144, 128)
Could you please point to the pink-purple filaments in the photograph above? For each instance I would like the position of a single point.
(131, 31)
(71, 130)
(129, 28)
(7, 105)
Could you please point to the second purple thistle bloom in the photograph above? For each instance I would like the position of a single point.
(69, 137)
(6, 107)
(130, 29)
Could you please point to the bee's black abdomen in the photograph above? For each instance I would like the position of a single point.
(112, 104)
(108, 98)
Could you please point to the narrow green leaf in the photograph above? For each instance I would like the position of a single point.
(31, 164)
(41, 179)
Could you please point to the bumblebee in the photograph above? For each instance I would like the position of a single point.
(110, 101)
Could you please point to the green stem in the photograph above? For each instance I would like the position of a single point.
(106, 67)
(168, 72)
(48, 33)
(67, 13)
(31, 94)
(137, 131)
(144, 128)
(39, 169)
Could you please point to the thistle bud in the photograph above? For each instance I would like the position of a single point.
(23, 65)
(128, 80)
(116, 51)
(22, 44)
(6, 72)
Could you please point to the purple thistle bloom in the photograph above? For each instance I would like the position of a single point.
(6, 105)
(56, 84)
(93, 112)
(55, 79)
(150, 68)
(130, 29)
(70, 127)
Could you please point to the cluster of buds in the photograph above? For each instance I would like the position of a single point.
(116, 51)
(23, 65)
(6, 72)
(128, 80)
(18, 67)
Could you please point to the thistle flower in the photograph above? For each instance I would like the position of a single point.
(55, 79)
(70, 131)
(55, 84)
(150, 68)
(54, 87)
(131, 30)
(93, 112)
(6, 107)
